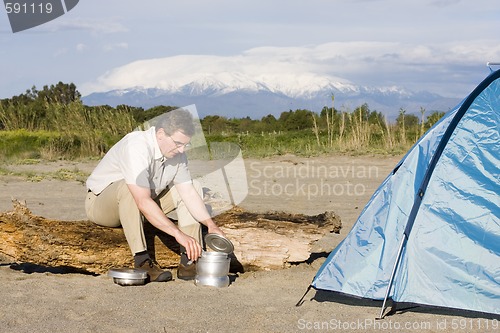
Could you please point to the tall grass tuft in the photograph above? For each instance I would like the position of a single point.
(61, 130)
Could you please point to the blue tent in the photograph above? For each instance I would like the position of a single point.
(430, 234)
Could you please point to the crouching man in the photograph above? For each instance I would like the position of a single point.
(144, 176)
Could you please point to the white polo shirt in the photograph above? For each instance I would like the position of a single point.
(137, 159)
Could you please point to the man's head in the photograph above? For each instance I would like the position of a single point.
(177, 120)
(174, 132)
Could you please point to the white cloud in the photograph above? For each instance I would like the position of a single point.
(96, 26)
(80, 47)
(416, 44)
(364, 63)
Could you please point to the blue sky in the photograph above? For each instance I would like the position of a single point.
(435, 45)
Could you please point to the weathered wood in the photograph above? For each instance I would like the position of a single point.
(262, 241)
(274, 240)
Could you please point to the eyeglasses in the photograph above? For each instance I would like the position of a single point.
(180, 144)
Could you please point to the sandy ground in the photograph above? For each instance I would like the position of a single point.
(255, 302)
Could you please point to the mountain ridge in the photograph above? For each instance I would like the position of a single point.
(236, 96)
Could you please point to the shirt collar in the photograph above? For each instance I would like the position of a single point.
(158, 155)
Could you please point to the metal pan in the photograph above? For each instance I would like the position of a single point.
(128, 276)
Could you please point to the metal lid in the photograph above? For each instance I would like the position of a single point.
(128, 273)
(219, 243)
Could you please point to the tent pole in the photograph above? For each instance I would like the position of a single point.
(391, 280)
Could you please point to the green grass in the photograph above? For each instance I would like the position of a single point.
(22, 146)
(304, 143)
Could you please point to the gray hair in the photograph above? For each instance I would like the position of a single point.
(177, 120)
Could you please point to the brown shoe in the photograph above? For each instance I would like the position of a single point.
(155, 273)
(186, 272)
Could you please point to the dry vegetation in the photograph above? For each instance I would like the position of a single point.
(53, 124)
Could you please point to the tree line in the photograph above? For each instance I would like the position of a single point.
(301, 119)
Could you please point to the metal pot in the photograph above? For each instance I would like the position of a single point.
(212, 269)
(128, 276)
(212, 281)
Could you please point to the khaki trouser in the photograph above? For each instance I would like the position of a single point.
(116, 207)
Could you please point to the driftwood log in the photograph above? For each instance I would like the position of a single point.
(262, 241)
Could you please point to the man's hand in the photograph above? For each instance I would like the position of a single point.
(193, 248)
(214, 229)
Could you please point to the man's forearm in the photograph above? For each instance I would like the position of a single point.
(194, 203)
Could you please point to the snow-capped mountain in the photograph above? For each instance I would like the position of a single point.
(236, 95)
